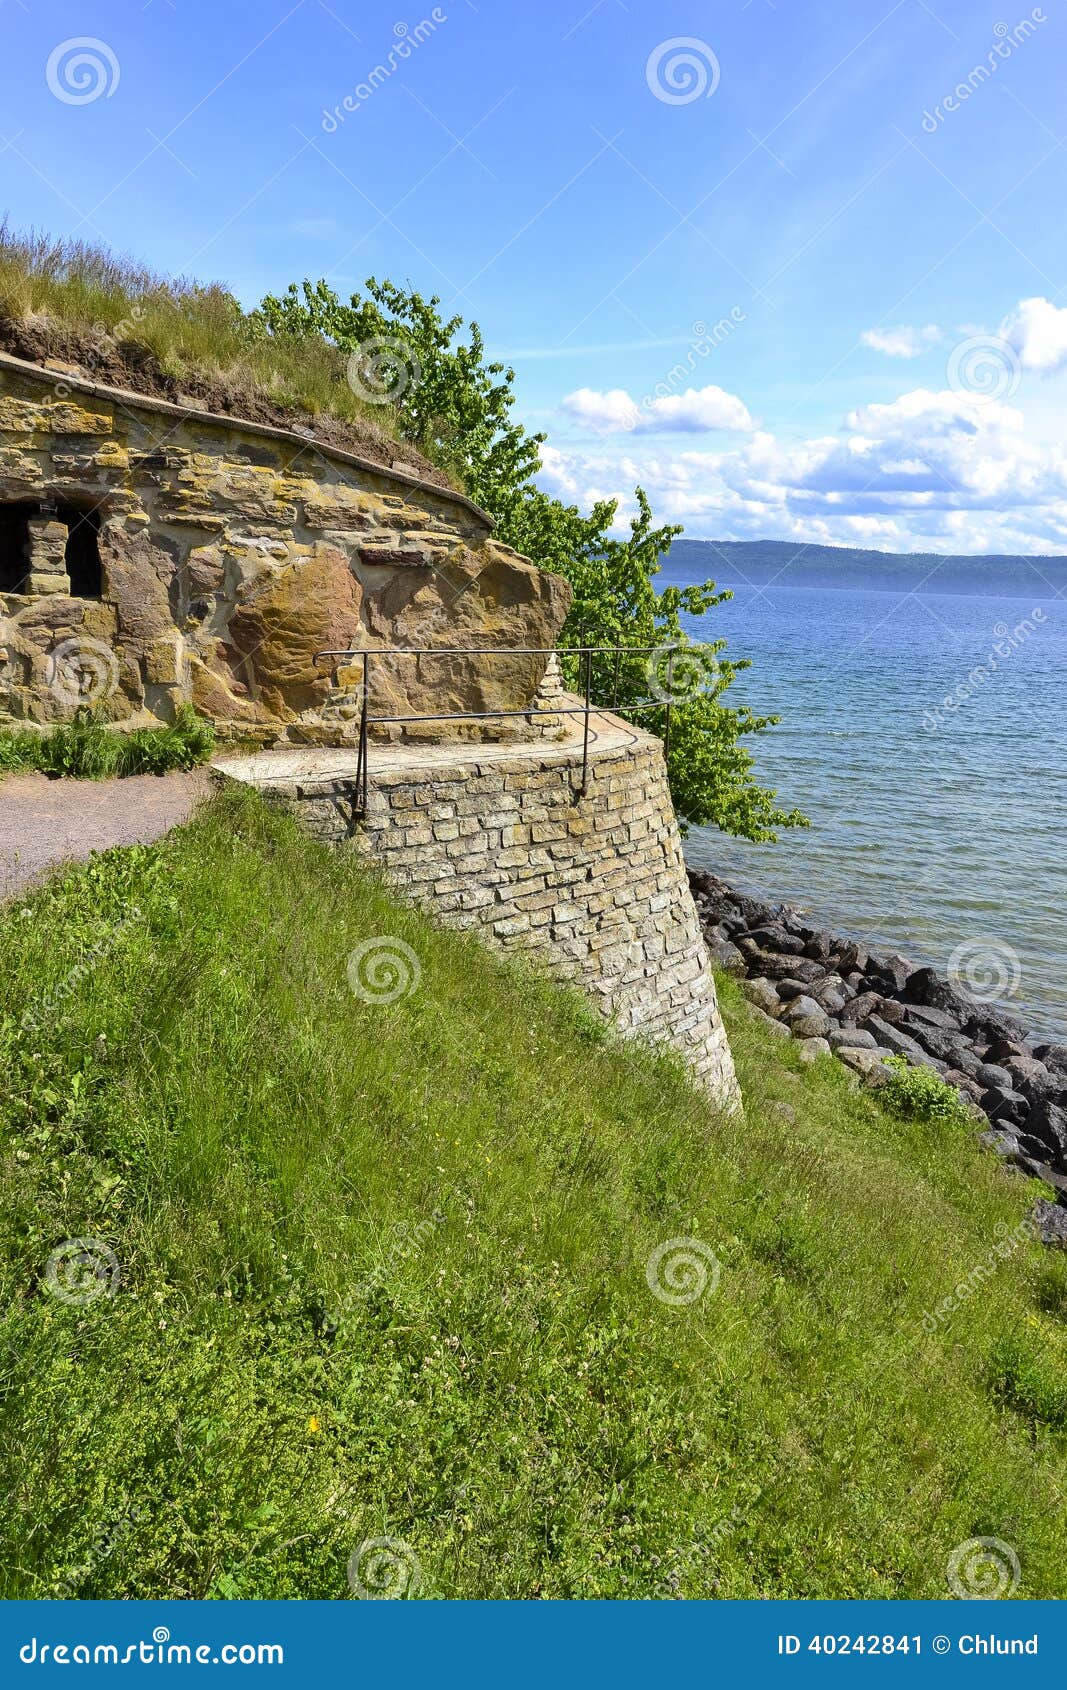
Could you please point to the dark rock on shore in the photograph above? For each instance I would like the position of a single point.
(832, 994)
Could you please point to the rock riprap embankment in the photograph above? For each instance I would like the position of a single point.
(834, 995)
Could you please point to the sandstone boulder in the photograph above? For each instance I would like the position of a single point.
(288, 616)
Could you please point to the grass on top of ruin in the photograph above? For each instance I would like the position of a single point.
(117, 310)
(321, 1225)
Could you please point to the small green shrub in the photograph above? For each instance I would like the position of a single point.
(86, 749)
(1051, 1288)
(1029, 1378)
(922, 1095)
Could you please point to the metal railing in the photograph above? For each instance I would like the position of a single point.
(585, 708)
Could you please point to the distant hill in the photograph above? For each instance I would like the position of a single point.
(787, 563)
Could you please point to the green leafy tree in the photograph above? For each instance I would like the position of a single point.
(448, 401)
(617, 604)
(457, 409)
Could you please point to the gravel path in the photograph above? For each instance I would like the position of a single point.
(44, 822)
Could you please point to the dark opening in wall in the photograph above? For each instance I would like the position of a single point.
(82, 555)
(14, 546)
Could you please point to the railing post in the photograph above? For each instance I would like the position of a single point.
(362, 771)
(585, 719)
(670, 701)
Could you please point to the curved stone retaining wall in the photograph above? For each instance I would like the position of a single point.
(593, 885)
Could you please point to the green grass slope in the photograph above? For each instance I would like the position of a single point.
(383, 1273)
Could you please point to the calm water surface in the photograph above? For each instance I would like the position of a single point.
(931, 828)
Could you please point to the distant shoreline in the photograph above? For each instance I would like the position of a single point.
(779, 563)
(886, 587)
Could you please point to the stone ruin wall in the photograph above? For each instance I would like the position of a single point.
(228, 554)
(152, 555)
(592, 885)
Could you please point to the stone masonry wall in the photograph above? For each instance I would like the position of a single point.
(229, 554)
(593, 885)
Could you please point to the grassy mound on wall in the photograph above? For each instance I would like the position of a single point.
(88, 750)
(178, 339)
(369, 1232)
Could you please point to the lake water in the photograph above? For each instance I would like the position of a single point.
(933, 828)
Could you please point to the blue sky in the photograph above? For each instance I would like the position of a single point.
(600, 186)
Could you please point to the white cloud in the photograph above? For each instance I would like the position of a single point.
(934, 471)
(603, 413)
(902, 342)
(696, 411)
(1037, 330)
(924, 413)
